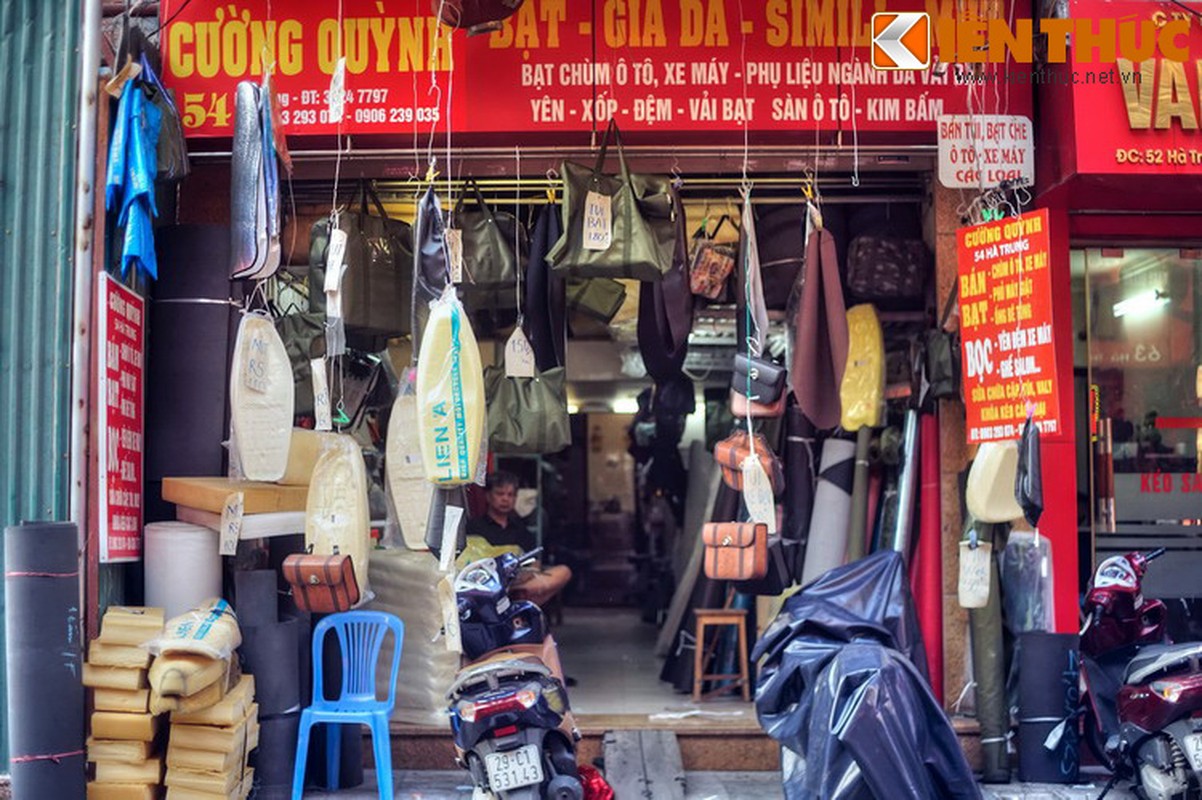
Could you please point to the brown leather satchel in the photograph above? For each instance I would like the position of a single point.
(735, 551)
(731, 452)
(322, 584)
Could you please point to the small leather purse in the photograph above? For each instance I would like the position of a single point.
(735, 551)
(757, 388)
(322, 584)
(731, 452)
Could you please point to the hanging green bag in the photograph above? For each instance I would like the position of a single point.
(527, 415)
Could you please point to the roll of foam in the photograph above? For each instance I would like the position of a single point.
(183, 566)
(832, 509)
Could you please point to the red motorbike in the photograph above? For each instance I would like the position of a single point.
(1142, 695)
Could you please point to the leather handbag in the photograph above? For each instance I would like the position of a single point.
(757, 388)
(712, 263)
(322, 584)
(493, 243)
(943, 354)
(643, 225)
(731, 452)
(743, 406)
(735, 551)
(527, 415)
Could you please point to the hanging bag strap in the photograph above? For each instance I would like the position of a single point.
(952, 299)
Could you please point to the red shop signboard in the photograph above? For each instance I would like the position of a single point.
(121, 385)
(713, 66)
(1007, 341)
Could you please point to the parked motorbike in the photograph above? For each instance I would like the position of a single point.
(1143, 695)
(509, 710)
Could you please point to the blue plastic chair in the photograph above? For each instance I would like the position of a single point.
(361, 637)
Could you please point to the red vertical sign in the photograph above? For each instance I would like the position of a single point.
(121, 386)
(1008, 349)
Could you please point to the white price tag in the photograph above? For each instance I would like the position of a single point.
(454, 238)
(231, 523)
(255, 374)
(335, 259)
(757, 493)
(975, 571)
(450, 538)
(519, 356)
(450, 614)
(337, 98)
(598, 221)
(321, 395)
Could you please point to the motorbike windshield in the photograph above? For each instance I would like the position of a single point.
(843, 687)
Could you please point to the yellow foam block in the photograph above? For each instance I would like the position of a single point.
(117, 751)
(209, 737)
(206, 698)
(129, 656)
(149, 771)
(121, 791)
(302, 456)
(95, 677)
(130, 701)
(229, 711)
(185, 674)
(863, 389)
(204, 760)
(131, 625)
(131, 727)
(221, 784)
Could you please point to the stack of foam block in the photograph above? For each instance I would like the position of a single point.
(207, 757)
(124, 732)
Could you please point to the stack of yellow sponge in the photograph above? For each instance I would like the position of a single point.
(124, 732)
(206, 759)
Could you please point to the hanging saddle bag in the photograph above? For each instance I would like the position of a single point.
(731, 452)
(322, 584)
(493, 243)
(757, 387)
(735, 551)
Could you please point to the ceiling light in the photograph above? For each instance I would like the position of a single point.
(1141, 304)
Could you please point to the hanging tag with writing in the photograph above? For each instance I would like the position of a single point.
(254, 376)
(598, 221)
(337, 96)
(450, 538)
(975, 570)
(454, 239)
(450, 614)
(757, 493)
(321, 395)
(231, 523)
(519, 356)
(335, 257)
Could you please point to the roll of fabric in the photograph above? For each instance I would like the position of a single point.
(275, 757)
(1048, 696)
(927, 575)
(907, 489)
(182, 566)
(876, 484)
(989, 668)
(44, 660)
(827, 543)
(799, 481)
(256, 597)
(859, 497)
(269, 652)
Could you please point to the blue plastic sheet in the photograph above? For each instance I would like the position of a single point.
(129, 185)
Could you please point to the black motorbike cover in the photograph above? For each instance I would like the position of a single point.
(844, 689)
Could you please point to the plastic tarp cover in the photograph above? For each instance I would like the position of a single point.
(843, 687)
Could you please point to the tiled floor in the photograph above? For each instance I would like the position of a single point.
(611, 654)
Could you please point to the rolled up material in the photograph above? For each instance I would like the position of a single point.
(44, 660)
(989, 669)
(827, 543)
(256, 597)
(907, 489)
(927, 574)
(859, 497)
(269, 652)
(183, 566)
(1048, 697)
(275, 757)
(799, 481)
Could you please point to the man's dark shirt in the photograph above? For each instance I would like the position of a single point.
(515, 533)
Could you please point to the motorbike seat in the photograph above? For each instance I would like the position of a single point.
(1158, 658)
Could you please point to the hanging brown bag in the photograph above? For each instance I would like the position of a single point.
(731, 452)
(322, 584)
(735, 551)
(712, 262)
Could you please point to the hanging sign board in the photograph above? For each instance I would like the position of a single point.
(121, 337)
(979, 151)
(556, 66)
(1007, 343)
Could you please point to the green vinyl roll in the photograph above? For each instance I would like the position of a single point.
(989, 664)
(859, 497)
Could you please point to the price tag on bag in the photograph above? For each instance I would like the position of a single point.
(454, 240)
(337, 97)
(450, 538)
(450, 614)
(757, 493)
(254, 377)
(519, 356)
(976, 569)
(598, 221)
(321, 395)
(231, 523)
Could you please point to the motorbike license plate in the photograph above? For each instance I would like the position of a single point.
(1193, 748)
(515, 769)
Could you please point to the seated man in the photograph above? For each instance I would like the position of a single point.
(502, 528)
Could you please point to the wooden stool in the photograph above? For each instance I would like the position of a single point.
(717, 618)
